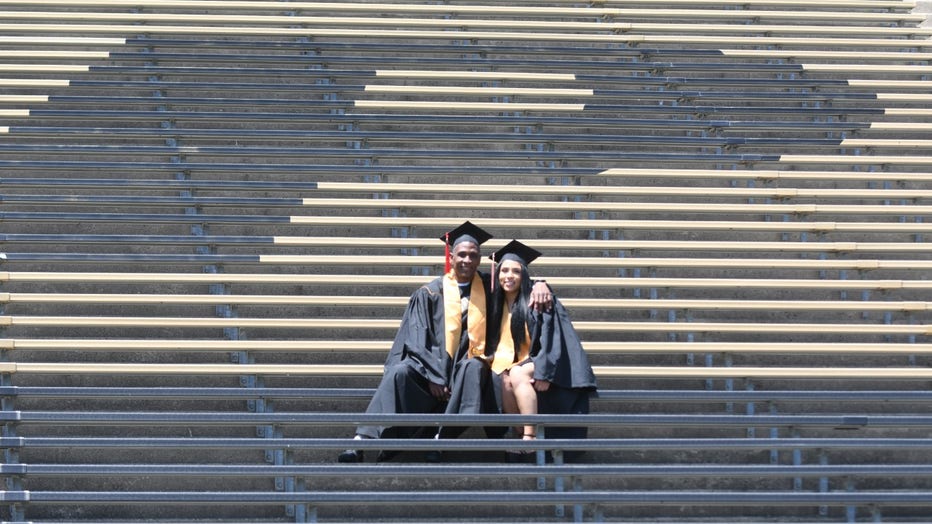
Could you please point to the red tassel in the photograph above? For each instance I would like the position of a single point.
(446, 254)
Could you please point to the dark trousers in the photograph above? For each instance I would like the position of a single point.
(402, 390)
(472, 393)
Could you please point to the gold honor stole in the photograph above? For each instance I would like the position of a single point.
(505, 352)
(453, 315)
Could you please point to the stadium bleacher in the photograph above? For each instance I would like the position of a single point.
(213, 213)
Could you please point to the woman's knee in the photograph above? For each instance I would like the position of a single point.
(521, 374)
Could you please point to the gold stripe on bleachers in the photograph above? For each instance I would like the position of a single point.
(857, 159)
(62, 40)
(467, 90)
(687, 207)
(369, 346)
(190, 369)
(46, 53)
(416, 280)
(72, 368)
(45, 68)
(874, 68)
(907, 112)
(149, 344)
(560, 25)
(675, 225)
(23, 98)
(902, 126)
(474, 75)
(764, 174)
(908, 97)
(378, 324)
(886, 142)
(888, 83)
(474, 35)
(246, 4)
(392, 301)
(540, 11)
(467, 106)
(763, 372)
(825, 54)
(704, 191)
(33, 82)
(623, 262)
(242, 322)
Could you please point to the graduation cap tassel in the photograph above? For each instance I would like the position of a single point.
(492, 280)
(446, 254)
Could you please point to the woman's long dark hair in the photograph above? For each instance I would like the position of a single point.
(519, 311)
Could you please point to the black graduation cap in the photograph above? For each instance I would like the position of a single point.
(516, 250)
(466, 231)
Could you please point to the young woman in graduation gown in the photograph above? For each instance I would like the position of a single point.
(538, 362)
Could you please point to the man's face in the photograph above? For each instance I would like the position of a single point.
(464, 259)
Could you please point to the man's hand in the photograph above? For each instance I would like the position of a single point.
(540, 385)
(439, 392)
(541, 297)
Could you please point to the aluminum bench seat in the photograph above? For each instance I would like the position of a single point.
(376, 324)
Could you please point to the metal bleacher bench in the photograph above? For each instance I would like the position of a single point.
(374, 370)
(867, 81)
(548, 224)
(105, 362)
(721, 112)
(853, 5)
(777, 193)
(374, 324)
(694, 33)
(731, 143)
(410, 242)
(863, 57)
(570, 482)
(896, 11)
(474, 205)
(719, 126)
(749, 159)
(400, 301)
(767, 175)
(426, 261)
(412, 281)
(257, 24)
(382, 346)
(575, 87)
(626, 395)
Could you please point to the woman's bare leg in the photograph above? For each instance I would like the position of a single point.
(524, 393)
(509, 402)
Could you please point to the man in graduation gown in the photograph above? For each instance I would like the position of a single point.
(431, 366)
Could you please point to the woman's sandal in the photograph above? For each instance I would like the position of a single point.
(520, 455)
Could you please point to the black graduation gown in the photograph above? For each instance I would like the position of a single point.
(559, 358)
(418, 356)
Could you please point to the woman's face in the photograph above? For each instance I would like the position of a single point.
(509, 276)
